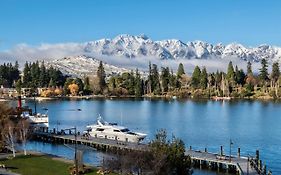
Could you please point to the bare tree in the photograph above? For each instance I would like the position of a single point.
(9, 135)
(23, 130)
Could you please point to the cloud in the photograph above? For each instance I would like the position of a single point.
(48, 52)
(24, 52)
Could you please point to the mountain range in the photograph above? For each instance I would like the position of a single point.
(119, 52)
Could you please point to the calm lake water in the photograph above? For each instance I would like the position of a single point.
(250, 124)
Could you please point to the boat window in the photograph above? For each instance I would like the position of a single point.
(115, 130)
(100, 129)
(125, 130)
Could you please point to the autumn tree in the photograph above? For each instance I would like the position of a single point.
(23, 131)
(74, 89)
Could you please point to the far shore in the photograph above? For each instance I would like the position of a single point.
(92, 97)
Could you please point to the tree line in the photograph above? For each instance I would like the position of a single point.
(157, 82)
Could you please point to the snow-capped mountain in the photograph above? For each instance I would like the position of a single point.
(83, 66)
(141, 46)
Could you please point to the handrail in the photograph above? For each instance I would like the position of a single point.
(238, 165)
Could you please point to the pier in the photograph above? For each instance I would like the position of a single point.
(200, 159)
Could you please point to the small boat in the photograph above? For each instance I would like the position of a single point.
(112, 131)
(36, 119)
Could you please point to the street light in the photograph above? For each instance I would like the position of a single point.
(230, 144)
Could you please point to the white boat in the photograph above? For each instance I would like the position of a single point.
(36, 119)
(112, 131)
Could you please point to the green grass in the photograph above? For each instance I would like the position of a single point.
(35, 165)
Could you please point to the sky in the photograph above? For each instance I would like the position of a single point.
(35, 22)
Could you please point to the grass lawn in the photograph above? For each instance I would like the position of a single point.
(35, 165)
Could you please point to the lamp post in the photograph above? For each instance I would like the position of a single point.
(230, 144)
(75, 154)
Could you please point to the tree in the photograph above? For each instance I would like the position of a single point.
(26, 75)
(204, 79)
(43, 77)
(87, 88)
(80, 84)
(19, 86)
(66, 85)
(249, 68)
(9, 135)
(263, 71)
(180, 70)
(165, 75)
(196, 77)
(138, 85)
(74, 89)
(23, 130)
(101, 77)
(155, 80)
(230, 72)
(275, 74)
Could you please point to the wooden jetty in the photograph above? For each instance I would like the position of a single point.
(202, 159)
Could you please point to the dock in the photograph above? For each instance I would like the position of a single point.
(201, 159)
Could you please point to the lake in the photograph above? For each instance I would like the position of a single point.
(250, 125)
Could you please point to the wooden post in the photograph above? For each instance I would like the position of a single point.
(257, 154)
(238, 152)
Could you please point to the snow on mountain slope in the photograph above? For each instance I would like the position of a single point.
(141, 46)
(82, 65)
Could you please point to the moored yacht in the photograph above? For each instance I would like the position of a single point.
(112, 131)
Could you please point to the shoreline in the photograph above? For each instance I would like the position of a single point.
(160, 97)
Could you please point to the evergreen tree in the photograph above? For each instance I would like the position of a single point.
(138, 85)
(230, 72)
(204, 79)
(263, 70)
(165, 75)
(43, 77)
(249, 69)
(26, 75)
(87, 87)
(180, 70)
(275, 74)
(240, 77)
(101, 77)
(131, 83)
(196, 77)
(155, 86)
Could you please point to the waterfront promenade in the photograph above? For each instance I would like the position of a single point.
(201, 159)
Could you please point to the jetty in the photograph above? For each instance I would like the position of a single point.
(238, 164)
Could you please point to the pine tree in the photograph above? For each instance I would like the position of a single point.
(275, 74)
(101, 77)
(26, 75)
(196, 77)
(87, 87)
(165, 75)
(180, 70)
(43, 77)
(204, 79)
(249, 69)
(263, 71)
(138, 85)
(230, 72)
(155, 84)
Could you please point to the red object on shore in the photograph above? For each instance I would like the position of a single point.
(19, 102)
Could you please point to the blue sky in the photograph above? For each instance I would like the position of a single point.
(250, 22)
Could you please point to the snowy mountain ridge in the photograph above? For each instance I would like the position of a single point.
(130, 46)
